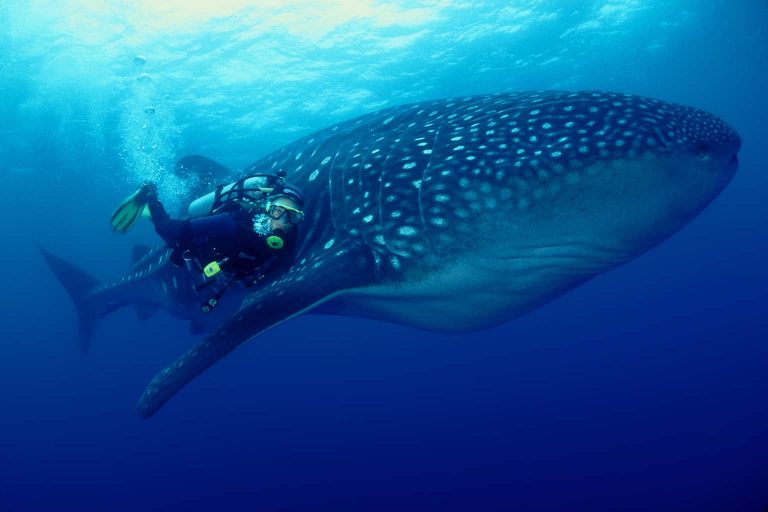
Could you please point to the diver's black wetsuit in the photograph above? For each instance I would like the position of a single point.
(227, 237)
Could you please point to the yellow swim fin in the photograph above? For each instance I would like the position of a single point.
(130, 210)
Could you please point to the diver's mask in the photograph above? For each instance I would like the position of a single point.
(279, 209)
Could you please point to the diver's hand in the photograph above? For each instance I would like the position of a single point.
(145, 191)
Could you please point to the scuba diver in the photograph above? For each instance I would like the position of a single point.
(242, 230)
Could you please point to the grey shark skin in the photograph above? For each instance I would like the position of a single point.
(459, 214)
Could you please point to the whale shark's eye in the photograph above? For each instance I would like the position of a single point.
(702, 152)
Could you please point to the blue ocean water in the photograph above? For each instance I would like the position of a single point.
(642, 390)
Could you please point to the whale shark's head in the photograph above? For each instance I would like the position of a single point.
(669, 162)
(611, 174)
(526, 196)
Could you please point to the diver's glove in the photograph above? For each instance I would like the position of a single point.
(145, 191)
(132, 207)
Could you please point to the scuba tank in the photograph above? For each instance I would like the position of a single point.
(252, 189)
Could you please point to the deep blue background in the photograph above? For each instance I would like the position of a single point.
(645, 389)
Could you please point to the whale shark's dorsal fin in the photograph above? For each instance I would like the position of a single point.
(202, 167)
(201, 175)
(284, 296)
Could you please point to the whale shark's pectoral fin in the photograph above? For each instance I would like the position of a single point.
(299, 289)
(145, 311)
(138, 252)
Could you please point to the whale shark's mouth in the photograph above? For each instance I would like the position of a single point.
(557, 259)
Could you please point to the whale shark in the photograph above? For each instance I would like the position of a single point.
(450, 215)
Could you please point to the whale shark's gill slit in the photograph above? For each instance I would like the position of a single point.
(337, 216)
(317, 225)
(382, 181)
(366, 151)
(424, 184)
(661, 137)
(347, 181)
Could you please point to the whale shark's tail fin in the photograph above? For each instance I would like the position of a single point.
(79, 284)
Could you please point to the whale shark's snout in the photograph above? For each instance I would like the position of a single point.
(699, 151)
(656, 162)
(719, 139)
(707, 137)
(721, 143)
